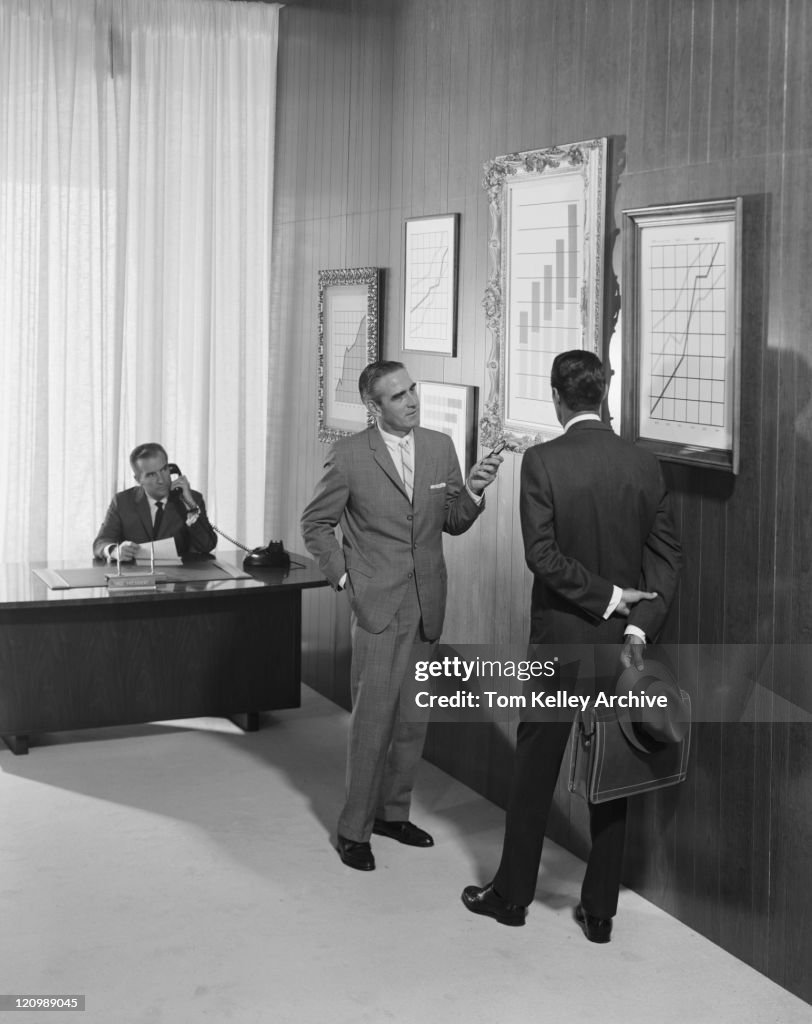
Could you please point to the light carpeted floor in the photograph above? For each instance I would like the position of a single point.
(184, 872)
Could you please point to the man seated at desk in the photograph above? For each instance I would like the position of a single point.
(158, 508)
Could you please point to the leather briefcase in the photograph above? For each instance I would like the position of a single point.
(604, 765)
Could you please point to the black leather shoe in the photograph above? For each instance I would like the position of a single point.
(355, 855)
(596, 929)
(403, 831)
(486, 901)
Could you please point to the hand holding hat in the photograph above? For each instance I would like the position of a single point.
(657, 722)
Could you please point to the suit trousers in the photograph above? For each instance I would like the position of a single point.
(384, 747)
(540, 749)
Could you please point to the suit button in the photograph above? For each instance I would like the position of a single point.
(410, 576)
(410, 517)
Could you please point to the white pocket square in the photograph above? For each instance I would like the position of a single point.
(436, 487)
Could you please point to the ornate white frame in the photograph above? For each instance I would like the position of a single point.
(585, 162)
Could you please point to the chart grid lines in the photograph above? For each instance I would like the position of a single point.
(430, 284)
(350, 354)
(429, 300)
(688, 333)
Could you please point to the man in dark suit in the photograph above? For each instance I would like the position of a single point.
(597, 526)
(157, 508)
(394, 490)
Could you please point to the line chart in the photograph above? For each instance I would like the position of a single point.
(687, 332)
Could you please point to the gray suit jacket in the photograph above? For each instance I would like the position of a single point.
(595, 513)
(129, 518)
(388, 541)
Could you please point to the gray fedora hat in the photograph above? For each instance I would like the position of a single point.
(658, 722)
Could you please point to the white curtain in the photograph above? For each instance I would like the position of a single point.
(136, 190)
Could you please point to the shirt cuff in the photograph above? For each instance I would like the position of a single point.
(342, 582)
(617, 594)
(635, 631)
(109, 550)
(476, 498)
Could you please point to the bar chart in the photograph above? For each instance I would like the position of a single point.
(559, 276)
(544, 307)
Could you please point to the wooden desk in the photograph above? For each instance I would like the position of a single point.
(83, 658)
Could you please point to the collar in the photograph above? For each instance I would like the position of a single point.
(393, 440)
(152, 501)
(580, 419)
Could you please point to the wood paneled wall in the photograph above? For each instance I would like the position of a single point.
(387, 110)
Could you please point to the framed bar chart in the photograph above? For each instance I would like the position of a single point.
(451, 409)
(545, 286)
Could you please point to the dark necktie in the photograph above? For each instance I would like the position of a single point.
(159, 514)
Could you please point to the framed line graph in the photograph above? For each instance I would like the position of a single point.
(430, 287)
(682, 337)
(545, 280)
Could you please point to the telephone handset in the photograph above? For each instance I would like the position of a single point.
(174, 470)
(273, 556)
(176, 493)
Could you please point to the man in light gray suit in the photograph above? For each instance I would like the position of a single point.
(394, 489)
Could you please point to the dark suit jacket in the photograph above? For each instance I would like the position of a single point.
(595, 513)
(386, 540)
(129, 518)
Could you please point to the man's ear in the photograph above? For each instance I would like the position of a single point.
(372, 407)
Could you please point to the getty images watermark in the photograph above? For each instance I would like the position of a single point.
(725, 682)
(524, 671)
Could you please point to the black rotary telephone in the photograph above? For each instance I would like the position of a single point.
(273, 556)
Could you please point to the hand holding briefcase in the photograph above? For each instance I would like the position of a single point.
(618, 751)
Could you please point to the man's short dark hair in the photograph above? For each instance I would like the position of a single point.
(146, 451)
(370, 375)
(579, 379)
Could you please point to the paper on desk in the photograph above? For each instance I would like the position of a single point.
(165, 552)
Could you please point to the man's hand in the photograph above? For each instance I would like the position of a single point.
(125, 552)
(632, 653)
(483, 473)
(630, 598)
(180, 483)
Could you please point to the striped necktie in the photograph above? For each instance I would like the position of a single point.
(406, 467)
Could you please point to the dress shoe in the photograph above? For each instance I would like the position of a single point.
(596, 929)
(403, 831)
(487, 901)
(355, 855)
